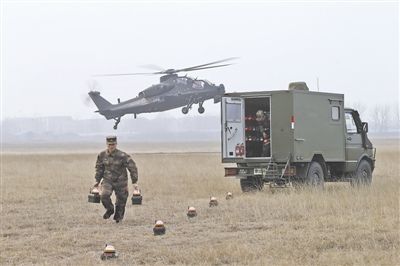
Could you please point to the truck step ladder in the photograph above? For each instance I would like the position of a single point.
(281, 182)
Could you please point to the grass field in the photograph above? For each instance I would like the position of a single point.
(46, 219)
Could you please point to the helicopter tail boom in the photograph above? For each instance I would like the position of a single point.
(100, 102)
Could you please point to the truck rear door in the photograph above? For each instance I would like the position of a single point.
(232, 127)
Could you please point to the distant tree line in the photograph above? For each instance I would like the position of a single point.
(380, 117)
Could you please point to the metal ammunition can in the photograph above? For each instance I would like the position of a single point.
(159, 230)
(136, 199)
(94, 198)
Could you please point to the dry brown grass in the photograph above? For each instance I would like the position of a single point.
(46, 219)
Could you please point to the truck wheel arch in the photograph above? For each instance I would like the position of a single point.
(363, 175)
(320, 159)
(303, 168)
(368, 159)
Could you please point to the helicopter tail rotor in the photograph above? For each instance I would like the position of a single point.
(93, 86)
(86, 99)
(94, 95)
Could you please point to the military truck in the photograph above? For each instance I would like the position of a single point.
(300, 137)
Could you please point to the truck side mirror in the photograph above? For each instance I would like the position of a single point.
(365, 127)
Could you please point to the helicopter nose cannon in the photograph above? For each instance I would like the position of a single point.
(221, 91)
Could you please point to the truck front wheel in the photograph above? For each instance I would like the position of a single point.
(251, 184)
(363, 175)
(315, 175)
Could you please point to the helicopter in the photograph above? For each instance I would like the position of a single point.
(172, 92)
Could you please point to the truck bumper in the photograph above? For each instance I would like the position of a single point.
(267, 173)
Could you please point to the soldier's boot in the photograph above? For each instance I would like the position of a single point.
(119, 213)
(107, 203)
(108, 214)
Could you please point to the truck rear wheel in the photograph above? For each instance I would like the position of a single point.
(251, 184)
(315, 175)
(363, 175)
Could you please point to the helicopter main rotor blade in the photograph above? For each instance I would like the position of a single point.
(173, 71)
(203, 65)
(201, 68)
(125, 74)
(153, 67)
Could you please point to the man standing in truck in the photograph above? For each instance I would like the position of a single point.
(263, 132)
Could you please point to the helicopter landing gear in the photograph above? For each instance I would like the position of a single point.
(117, 120)
(185, 110)
(201, 108)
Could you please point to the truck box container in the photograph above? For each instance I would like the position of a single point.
(275, 134)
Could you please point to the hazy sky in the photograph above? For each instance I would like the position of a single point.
(49, 51)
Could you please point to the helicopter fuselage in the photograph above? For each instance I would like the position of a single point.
(172, 92)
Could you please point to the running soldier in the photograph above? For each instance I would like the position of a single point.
(111, 168)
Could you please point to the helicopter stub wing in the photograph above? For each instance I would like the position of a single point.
(136, 102)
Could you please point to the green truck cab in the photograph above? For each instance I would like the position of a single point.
(294, 135)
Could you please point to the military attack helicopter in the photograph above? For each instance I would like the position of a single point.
(173, 91)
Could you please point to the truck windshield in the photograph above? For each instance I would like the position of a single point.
(233, 112)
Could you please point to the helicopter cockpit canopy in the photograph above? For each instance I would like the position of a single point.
(181, 81)
(155, 90)
(198, 84)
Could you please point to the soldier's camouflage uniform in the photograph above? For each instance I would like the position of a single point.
(263, 127)
(111, 167)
